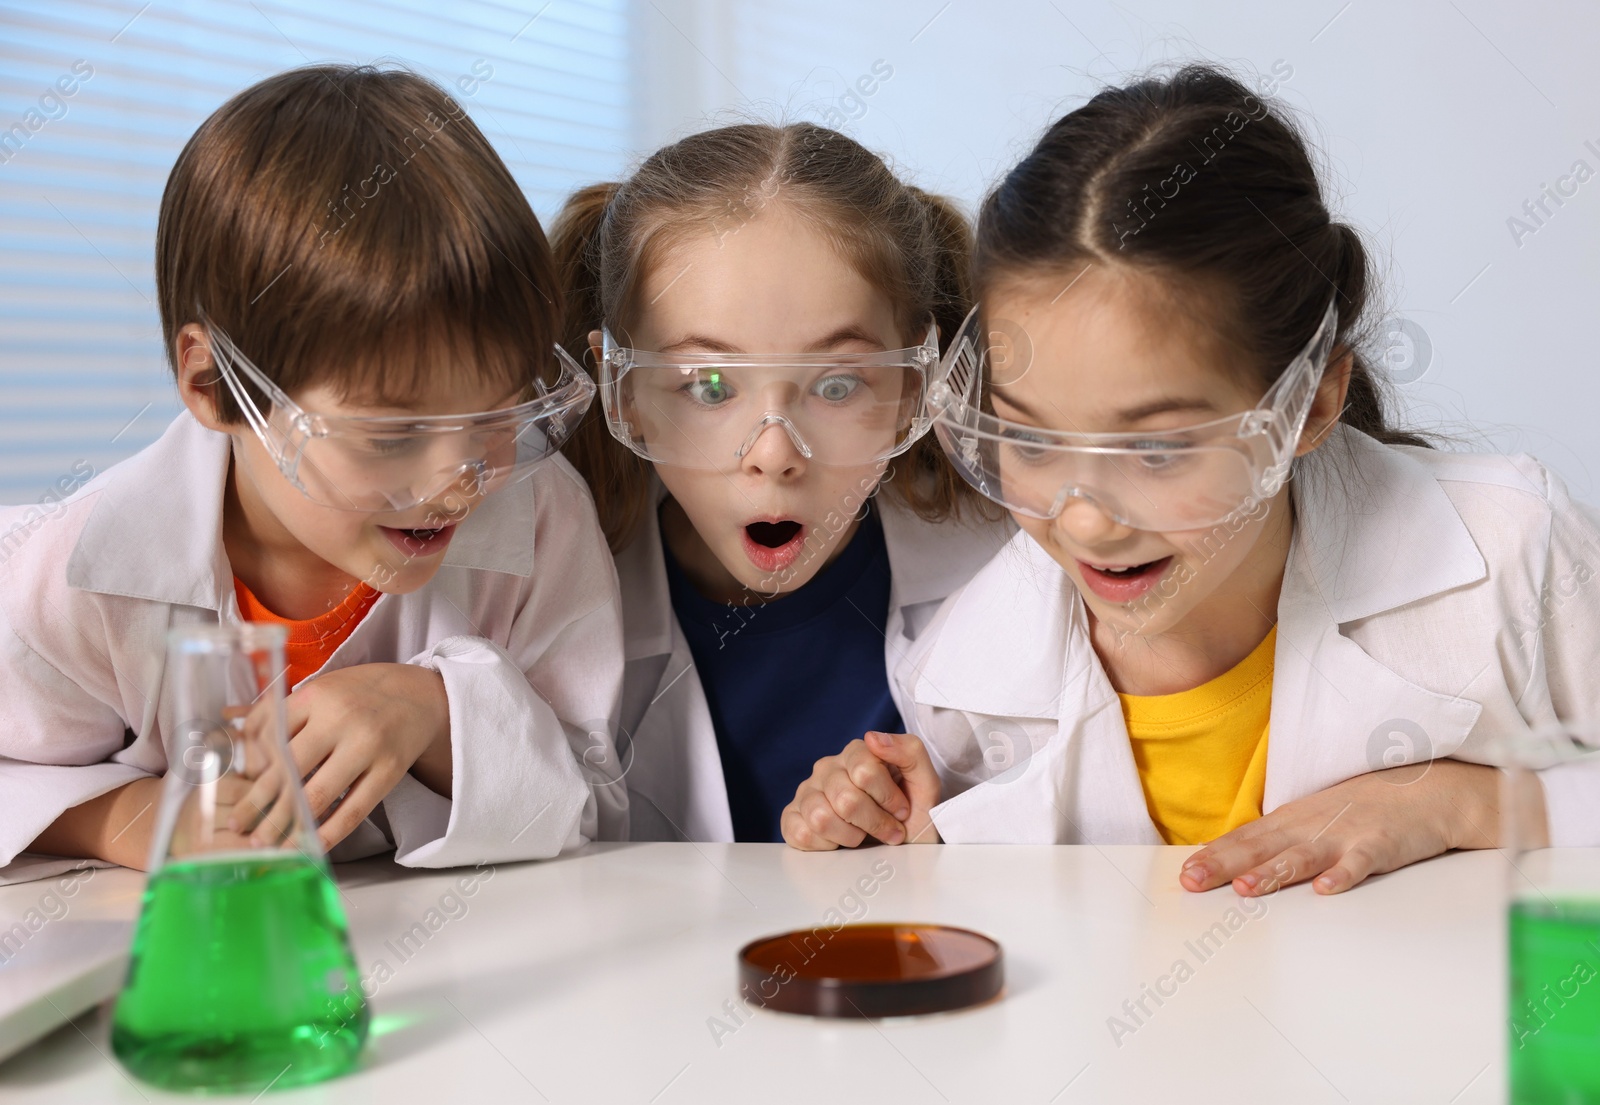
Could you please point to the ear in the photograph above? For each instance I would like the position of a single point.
(1329, 402)
(597, 345)
(198, 378)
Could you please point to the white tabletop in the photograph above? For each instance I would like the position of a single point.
(604, 978)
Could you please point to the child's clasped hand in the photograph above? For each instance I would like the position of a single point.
(881, 786)
(354, 732)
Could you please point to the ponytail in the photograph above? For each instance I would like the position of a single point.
(574, 238)
(951, 234)
(1368, 399)
(924, 477)
(618, 479)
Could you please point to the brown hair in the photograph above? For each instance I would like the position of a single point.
(350, 225)
(1198, 181)
(912, 246)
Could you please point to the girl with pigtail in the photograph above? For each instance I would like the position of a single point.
(763, 306)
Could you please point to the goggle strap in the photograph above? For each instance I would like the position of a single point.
(964, 362)
(225, 353)
(1293, 394)
(232, 360)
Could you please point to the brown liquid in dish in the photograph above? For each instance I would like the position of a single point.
(878, 970)
(875, 953)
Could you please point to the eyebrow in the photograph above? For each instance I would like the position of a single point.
(1127, 417)
(849, 333)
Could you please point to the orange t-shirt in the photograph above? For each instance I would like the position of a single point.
(313, 640)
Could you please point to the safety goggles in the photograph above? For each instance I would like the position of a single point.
(1169, 480)
(391, 464)
(707, 410)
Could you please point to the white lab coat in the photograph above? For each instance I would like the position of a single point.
(1433, 605)
(666, 741)
(521, 620)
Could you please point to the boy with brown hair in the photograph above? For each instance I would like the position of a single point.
(360, 309)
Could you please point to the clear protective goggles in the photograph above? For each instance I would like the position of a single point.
(1169, 480)
(707, 410)
(392, 464)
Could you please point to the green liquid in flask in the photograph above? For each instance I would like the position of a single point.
(240, 977)
(1555, 1003)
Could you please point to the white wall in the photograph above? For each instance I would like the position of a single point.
(1436, 122)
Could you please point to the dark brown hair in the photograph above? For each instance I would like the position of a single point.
(351, 226)
(1199, 182)
(912, 246)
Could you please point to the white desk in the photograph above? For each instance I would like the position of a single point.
(596, 978)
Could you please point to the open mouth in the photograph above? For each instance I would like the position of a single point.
(1123, 583)
(773, 544)
(1129, 572)
(773, 535)
(417, 543)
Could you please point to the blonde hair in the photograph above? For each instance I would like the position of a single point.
(913, 247)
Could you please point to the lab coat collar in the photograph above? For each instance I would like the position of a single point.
(929, 560)
(155, 530)
(648, 619)
(1008, 639)
(1373, 531)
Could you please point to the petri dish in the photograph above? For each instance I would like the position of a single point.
(873, 970)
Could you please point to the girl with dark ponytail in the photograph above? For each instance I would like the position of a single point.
(1225, 534)
(762, 307)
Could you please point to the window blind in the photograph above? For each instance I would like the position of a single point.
(96, 100)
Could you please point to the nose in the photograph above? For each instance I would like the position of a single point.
(774, 448)
(1086, 523)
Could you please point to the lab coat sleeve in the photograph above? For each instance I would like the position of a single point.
(1570, 637)
(533, 756)
(55, 739)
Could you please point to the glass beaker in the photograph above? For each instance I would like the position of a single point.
(1553, 929)
(241, 975)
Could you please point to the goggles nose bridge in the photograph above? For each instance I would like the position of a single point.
(1067, 492)
(773, 418)
(1076, 491)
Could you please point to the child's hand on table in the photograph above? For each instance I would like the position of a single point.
(1363, 826)
(882, 786)
(360, 729)
(115, 826)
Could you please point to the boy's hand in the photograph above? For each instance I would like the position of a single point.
(360, 729)
(882, 786)
(116, 826)
(1367, 825)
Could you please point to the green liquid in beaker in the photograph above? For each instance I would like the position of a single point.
(1555, 1003)
(240, 976)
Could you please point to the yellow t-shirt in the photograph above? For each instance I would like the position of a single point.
(1202, 754)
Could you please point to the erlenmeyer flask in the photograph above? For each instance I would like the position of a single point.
(241, 975)
(1553, 927)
